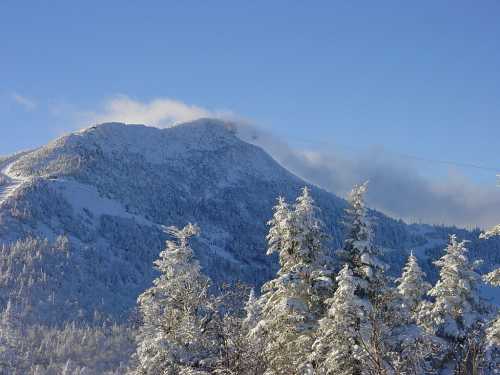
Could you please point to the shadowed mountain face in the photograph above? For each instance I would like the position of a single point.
(109, 189)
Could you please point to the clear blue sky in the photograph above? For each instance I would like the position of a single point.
(421, 78)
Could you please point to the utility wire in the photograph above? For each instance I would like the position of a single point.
(405, 156)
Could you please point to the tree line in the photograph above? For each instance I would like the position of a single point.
(324, 313)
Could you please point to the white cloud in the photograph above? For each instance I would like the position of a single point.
(25, 102)
(161, 112)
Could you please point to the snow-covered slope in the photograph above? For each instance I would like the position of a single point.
(8, 181)
(111, 188)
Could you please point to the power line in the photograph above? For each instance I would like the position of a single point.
(406, 156)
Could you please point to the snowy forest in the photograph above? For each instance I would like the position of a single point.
(326, 311)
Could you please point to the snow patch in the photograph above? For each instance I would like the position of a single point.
(9, 182)
(86, 198)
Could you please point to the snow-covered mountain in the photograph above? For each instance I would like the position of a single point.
(111, 188)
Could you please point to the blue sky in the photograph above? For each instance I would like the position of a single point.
(418, 78)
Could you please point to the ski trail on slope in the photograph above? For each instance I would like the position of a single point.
(8, 182)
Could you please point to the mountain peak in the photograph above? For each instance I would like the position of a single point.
(155, 145)
(204, 126)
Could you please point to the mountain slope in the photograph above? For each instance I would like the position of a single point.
(111, 188)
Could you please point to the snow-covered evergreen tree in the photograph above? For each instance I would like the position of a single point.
(362, 257)
(280, 236)
(457, 313)
(457, 303)
(177, 335)
(338, 349)
(293, 302)
(359, 251)
(493, 329)
(411, 346)
(392, 342)
(412, 286)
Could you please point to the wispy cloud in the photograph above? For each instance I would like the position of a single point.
(25, 102)
(397, 187)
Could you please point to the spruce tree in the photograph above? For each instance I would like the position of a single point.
(493, 329)
(412, 346)
(457, 305)
(411, 286)
(385, 327)
(177, 335)
(457, 314)
(292, 302)
(359, 251)
(336, 349)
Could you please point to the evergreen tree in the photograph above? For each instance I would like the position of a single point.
(362, 257)
(292, 303)
(359, 251)
(412, 286)
(280, 236)
(412, 347)
(179, 316)
(457, 304)
(337, 349)
(493, 329)
(456, 315)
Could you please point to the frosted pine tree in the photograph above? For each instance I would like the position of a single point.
(412, 347)
(177, 334)
(292, 302)
(359, 251)
(281, 235)
(457, 313)
(337, 349)
(387, 327)
(493, 278)
(412, 286)
(457, 304)
(311, 250)
(493, 330)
